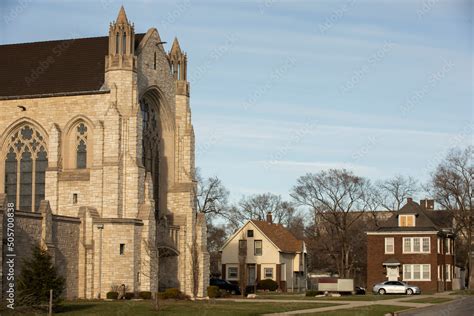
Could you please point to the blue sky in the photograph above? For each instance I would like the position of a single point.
(281, 88)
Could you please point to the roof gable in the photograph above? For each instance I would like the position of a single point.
(280, 236)
(276, 234)
(424, 219)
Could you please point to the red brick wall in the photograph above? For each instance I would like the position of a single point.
(376, 256)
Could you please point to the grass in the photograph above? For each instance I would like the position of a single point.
(429, 300)
(371, 310)
(368, 297)
(463, 292)
(169, 307)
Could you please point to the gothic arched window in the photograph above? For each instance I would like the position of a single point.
(150, 144)
(25, 166)
(81, 146)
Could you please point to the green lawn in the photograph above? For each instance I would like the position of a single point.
(373, 310)
(463, 292)
(429, 300)
(169, 307)
(368, 297)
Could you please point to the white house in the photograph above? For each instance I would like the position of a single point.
(265, 250)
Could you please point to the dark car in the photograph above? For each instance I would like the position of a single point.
(359, 290)
(226, 286)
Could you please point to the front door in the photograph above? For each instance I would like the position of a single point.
(251, 275)
(393, 273)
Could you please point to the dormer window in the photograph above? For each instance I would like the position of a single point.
(406, 220)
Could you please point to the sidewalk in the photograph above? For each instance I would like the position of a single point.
(402, 301)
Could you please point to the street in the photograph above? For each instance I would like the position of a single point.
(460, 307)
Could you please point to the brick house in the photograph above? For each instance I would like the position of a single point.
(264, 250)
(415, 245)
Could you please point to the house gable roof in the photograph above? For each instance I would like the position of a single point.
(277, 234)
(280, 236)
(426, 220)
(60, 66)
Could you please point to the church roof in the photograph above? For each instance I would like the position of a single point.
(61, 66)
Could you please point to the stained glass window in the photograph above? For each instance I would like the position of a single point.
(81, 146)
(150, 145)
(25, 166)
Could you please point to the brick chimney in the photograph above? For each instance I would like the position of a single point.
(269, 218)
(427, 204)
(409, 200)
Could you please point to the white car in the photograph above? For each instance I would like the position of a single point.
(395, 287)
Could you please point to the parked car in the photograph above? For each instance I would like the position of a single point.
(226, 286)
(359, 290)
(395, 287)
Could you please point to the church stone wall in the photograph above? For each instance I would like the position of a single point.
(29, 231)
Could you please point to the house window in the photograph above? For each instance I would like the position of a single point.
(389, 245)
(447, 243)
(74, 198)
(416, 245)
(268, 272)
(406, 220)
(448, 272)
(232, 272)
(250, 233)
(122, 249)
(439, 245)
(416, 272)
(25, 166)
(258, 247)
(439, 272)
(426, 244)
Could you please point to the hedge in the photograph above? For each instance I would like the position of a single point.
(267, 284)
(213, 291)
(146, 295)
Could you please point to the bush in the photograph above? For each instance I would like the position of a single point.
(213, 291)
(129, 295)
(311, 293)
(172, 293)
(267, 284)
(145, 295)
(112, 295)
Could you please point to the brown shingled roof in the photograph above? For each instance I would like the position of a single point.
(280, 236)
(425, 219)
(61, 66)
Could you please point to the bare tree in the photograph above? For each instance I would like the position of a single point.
(216, 237)
(212, 196)
(452, 186)
(256, 207)
(333, 196)
(393, 192)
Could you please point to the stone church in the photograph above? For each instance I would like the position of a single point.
(97, 155)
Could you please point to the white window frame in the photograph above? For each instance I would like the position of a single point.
(389, 241)
(439, 245)
(410, 270)
(448, 272)
(412, 242)
(439, 272)
(229, 273)
(406, 216)
(448, 246)
(255, 247)
(265, 273)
